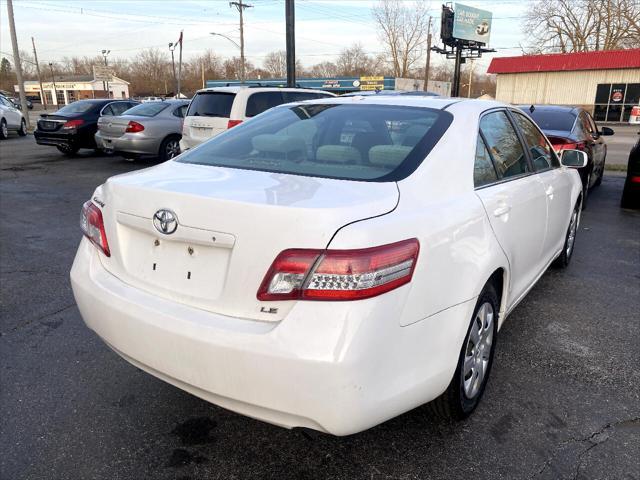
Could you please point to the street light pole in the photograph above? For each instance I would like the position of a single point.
(35, 57)
(16, 61)
(291, 43)
(104, 54)
(172, 47)
(236, 44)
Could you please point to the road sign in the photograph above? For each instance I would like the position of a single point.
(102, 72)
(471, 24)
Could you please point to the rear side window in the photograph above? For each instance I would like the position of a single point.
(344, 141)
(483, 171)
(211, 104)
(503, 144)
(147, 109)
(261, 101)
(542, 154)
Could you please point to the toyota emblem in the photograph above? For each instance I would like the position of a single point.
(165, 221)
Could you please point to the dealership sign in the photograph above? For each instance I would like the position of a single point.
(102, 72)
(471, 24)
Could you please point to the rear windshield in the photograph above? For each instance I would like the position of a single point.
(78, 107)
(211, 104)
(344, 141)
(552, 120)
(147, 109)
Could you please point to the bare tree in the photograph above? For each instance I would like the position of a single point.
(583, 25)
(354, 61)
(403, 31)
(323, 70)
(276, 64)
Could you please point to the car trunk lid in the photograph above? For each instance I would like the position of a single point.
(231, 224)
(51, 122)
(115, 127)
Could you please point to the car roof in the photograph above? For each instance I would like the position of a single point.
(464, 104)
(238, 88)
(551, 108)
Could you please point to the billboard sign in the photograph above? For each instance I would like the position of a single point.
(471, 24)
(370, 83)
(102, 72)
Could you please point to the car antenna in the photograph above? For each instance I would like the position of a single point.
(532, 108)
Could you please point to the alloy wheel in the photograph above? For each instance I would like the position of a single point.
(571, 235)
(478, 350)
(172, 149)
(5, 130)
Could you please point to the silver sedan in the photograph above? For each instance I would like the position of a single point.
(148, 129)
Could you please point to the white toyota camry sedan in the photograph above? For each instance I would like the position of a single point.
(334, 263)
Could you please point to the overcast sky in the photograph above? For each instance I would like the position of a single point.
(323, 27)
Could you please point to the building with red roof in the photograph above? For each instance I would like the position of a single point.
(605, 82)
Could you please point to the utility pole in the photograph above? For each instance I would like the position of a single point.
(455, 88)
(35, 56)
(291, 42)
(427, 65)
(202, 72)
(172, 47)
(241, 6)
(53, 79)
(16, 60)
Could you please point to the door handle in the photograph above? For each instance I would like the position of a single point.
(549, 191)
(501, 210)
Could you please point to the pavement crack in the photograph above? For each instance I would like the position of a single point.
(594, 439)
(40, 318)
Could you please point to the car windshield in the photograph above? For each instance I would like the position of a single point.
(552, 119)
(77, 107)
(211, 104)
(343, 141)
(148, 109)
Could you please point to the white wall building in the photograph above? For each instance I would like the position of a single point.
(69, 88)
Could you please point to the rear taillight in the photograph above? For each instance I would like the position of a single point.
(72, 124)
(560, 144)
(233, 123)
(134, 127)
(635, 111)
(307, 274)
(635, 179)
(93, 227)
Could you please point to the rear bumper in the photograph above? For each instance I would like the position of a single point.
(51, 138)
(335, 367)
(128, 143)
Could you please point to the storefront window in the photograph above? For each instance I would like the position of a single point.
(613, 102)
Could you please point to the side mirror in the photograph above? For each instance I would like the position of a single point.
(574, 158)
(606, 131)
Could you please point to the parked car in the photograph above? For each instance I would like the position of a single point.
(631, 191)
(634, 117)
(149, 129)
(310, 269)
(151, 99)
(11, 119)
(73, 126)
(16, 103)
(574, 128)
(214, 110)
(366, 93)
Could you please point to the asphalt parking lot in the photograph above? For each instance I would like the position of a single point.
(563, 401)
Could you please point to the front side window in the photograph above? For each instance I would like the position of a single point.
(262, 101)
(483, 171)
(542, 155)
(118, 108)
(504, 145)
(107, 111)
(180, 111)
(343, 141)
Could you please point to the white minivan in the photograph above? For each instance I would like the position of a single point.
(214, 110)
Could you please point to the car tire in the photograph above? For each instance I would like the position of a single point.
(169, 148)
(4, 130)
(68, 150)
(585, 192)
(599, 180)
(474, 362)
(569, 240)
(23, 128)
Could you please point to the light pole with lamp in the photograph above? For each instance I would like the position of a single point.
(104, 54)
(242, 74)
(172, 47)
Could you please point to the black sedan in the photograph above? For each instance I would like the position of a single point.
(573, 128)
(631, 192)
(73, 126)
